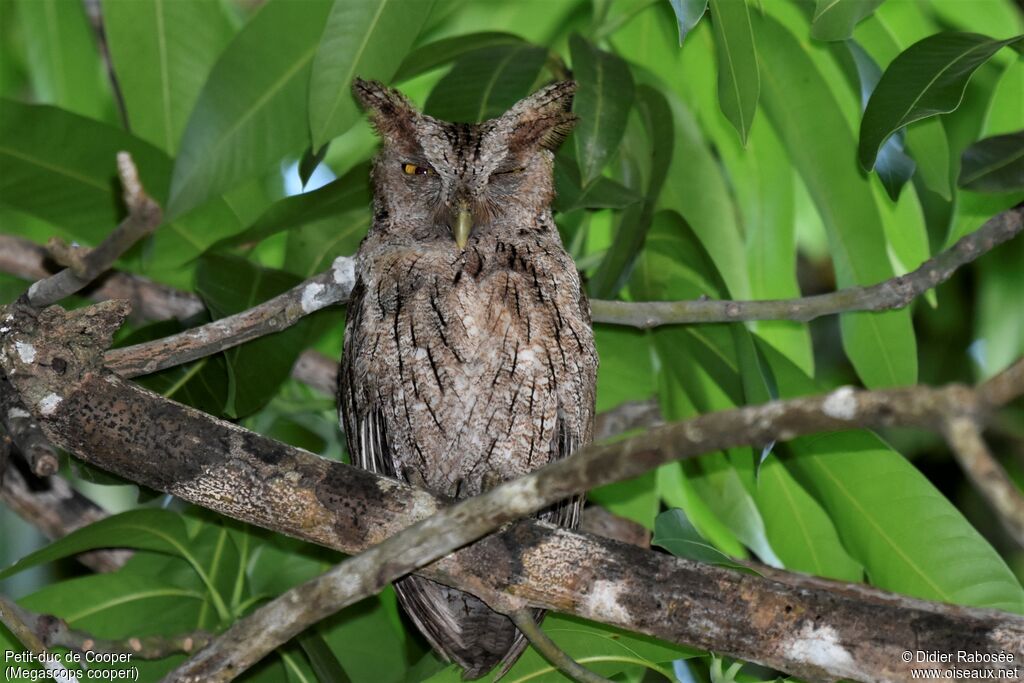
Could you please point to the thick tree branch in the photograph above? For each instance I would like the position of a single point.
(811, 628)
(335, 285)
(252, 638)
(144, 215)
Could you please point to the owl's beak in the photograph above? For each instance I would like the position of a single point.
(463, 225)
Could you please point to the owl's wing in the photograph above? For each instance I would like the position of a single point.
(567, 439)
(365, 429)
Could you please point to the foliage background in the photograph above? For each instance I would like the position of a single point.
(726, 167)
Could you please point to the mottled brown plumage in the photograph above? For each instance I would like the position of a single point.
(466, 367)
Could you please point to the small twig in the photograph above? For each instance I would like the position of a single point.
(274, 315)
(890, 294)
(144, 215)
(56, 509)
(316, 370)
(600, 521)
(68, 255)
(10, 616)
(1005, 386)
(556, 656)
(52, 631)
(627, 417)
(987, 475)
(150, 300)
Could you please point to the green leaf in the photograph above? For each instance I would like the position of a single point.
(677, 490)
(765, 201)
(891, 519)
(995, 164)
(229, 285)
(799, 530)
(835, 19)
(674, 532)
(326, 666)
(893, 165)
(700, 373)
(602, 102)
(156, 530)
(252, 110)
(313, 247)
(309, 163)
(930, 147)
(440, 52)
(65, 65)
(882, 347)
(632, 230)
(603, 193)
(634, 499)
(62, 168)
(926, 79)
(366, 38)
(700, 194)
(626, 372)
(999, 322)
(688, 14)
(345, 194)
(739, 84)
(484, 83)
(162, 53)
(215, 550)
(367, 641)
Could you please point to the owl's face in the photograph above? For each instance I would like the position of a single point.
(436, 180)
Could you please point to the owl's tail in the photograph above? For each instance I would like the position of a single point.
(461, 627)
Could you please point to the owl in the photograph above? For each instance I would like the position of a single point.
(469, 356)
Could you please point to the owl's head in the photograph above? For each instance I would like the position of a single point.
(439, 180)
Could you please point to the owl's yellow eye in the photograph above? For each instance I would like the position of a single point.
(413, 169)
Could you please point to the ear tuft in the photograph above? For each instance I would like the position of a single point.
(543, 119)
(390, 112)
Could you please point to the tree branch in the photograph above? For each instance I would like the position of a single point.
(150, 300)
(51, 631)
(144, 215)
(987, 475)
(884, 296)
(810, 628)
(277, 314)
(10, 616)
(334, 286)
(252, 638)
(56, 509)
(524, 621)
(25, 433)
